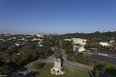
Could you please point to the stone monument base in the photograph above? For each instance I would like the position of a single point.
(57, 71)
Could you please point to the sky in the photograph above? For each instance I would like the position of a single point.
(57, 16)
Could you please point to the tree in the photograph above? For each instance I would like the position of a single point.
(80, 53)
(15, 75)
(37, 65)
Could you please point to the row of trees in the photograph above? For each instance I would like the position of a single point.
(67, 45)
(97, 36)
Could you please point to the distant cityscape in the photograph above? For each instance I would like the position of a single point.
(57, 38)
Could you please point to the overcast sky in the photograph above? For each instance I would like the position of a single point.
(57, 16)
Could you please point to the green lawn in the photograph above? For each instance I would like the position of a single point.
(69, 72)
(86, 54)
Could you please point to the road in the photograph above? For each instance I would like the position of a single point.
(25, 72)
(65, 62)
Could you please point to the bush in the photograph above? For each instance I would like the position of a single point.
(69, 58)
(80, 53)
(14, 75)
(89, 61)
(35, 74)
(37, 65)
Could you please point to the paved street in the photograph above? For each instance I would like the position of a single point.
(25, 72)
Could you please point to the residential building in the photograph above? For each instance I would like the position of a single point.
(111, 41)
(67, 39)
(105, 44)
(23, 39)
(37, 39)
(19, 44)
(78, 48)
(13, 37)
(41, 45)
(40, 39)
(39, 35)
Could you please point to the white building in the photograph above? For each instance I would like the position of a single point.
(13, 37)
(23, 39)
(112, 41)
(34, 39)
(105, 44)
(19, 44)
(78, 48)
(39, 35)
(67, 39)
(41, 45)
(79, 41)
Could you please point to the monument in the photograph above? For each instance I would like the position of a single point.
(57, 69)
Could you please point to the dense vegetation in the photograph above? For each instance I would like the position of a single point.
(30, 52)
(93, 39)
(84, 59)
(36, 66)
(96, 37)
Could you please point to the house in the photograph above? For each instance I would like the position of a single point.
(19, 44)
(78, 48)
(79, 41)
(67, 39)
(41, 45)
(13, 37)
(34, 39)
(9, 39)
(1, 39)
(23, 39)
(111, 41)
(93, 49)
(37, 39)
(40, 39)
(39, 35)
(105, 44)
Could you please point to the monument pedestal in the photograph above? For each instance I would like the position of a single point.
(57, 69)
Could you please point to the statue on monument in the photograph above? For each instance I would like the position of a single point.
(57, 69)
(57, 55)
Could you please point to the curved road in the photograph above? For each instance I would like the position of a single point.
(26, 72)
(65, 62)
